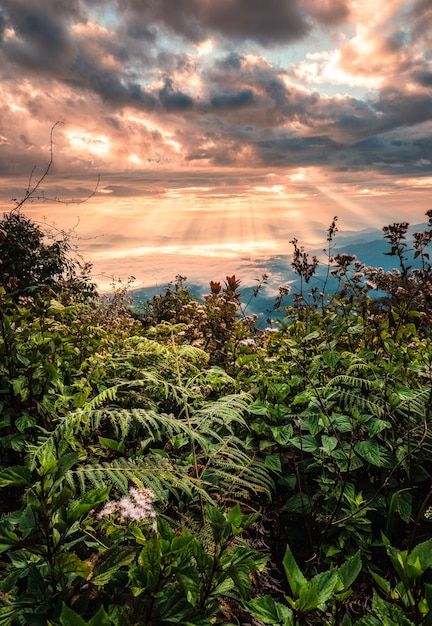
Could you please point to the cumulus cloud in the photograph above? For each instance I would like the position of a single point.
(204, 102)
(265, 23)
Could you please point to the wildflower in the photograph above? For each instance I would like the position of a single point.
(137, 506)
(246, 342)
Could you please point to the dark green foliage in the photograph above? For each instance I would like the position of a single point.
(281, 476)
(32, 262)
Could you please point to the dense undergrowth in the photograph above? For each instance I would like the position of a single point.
(175, 464)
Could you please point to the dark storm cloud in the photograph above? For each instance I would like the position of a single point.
(297, 150)
(42, 38)
(423, 77)
(397, 108)
(242, 98)
(55, 8)
(421, 12)
(108, 84)
(269, 22)
(173, 99)
(223, 109)
(386, 154)
(3, 25)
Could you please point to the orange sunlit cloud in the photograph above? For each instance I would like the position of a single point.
(217, 139)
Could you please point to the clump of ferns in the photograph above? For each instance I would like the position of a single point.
(165, 374)
(193, 456)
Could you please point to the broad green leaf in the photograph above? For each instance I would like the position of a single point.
(331, 357)
(389, 345)
(342, 423)
(240, 574)
(269, 611)
(315, 334)
(203, 559)
(383, 583)
(349, 571)
(307, 443)
(27, 521)
(68, 617)
(346, 460)
(94, 497)
(151, 553)
(15, 477)
(298, 503)
(62, 497)
(423, 552)
(259, 408)
(20, 558)
(282, 434)
(188, 578)
(89, 501)
(366, 354)
(235, 516)
(389, 614)
(405, 393)
(308, 599)
(294, 575)
(324, 583)
(377, 425)
(428, 593)
(112, 444)
(356, 329)
(302, 398)
(23, 359)
(182, 544)
(218, 523)
(100, 618)
(404, 505)
(328, 443)
(273, 462)
(110, 562)
(373, 453)
(66, 462)
(19, 384)
(25, 421)
(68, 562)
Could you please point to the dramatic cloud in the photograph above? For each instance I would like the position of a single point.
(267, 23)
(218, 112)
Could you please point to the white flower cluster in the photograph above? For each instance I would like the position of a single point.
(137, 506)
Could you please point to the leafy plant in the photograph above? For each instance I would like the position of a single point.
(318, 596)
(411, 596)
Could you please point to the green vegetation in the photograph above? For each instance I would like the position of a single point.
(175, 464)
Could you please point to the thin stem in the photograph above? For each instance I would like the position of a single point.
(188, 421)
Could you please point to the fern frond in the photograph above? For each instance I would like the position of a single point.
(351, 400)
(159, 474)
(238, 472)
(350, 381)
(110, 393)
(225, 412)
(413, 408)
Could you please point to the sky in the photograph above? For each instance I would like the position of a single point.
(210, 133)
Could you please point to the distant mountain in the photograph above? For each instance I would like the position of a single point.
(368, 245)
(371, 250)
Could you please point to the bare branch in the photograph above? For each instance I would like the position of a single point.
(32, 190)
